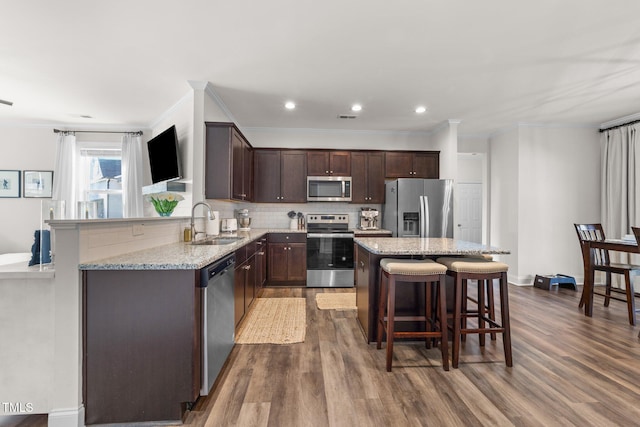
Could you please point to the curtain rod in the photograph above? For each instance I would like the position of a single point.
(619, 126)
(139, 132)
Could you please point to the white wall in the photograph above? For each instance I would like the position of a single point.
(559, 175)
(181, 115)
(23, 148)
(504, 189)
(543, 180)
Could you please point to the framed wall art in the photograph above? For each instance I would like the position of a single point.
(37, 184)
(9, 183)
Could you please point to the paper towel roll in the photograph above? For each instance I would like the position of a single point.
(213, 225)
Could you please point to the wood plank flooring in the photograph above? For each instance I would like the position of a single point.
(568, 370)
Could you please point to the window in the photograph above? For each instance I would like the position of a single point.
(100, 177)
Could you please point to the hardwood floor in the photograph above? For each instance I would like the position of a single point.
(568, 370)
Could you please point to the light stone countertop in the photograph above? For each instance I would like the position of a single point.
(365, 232)
(180, 255)
(424, 246)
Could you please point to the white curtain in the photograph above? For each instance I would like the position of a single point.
(132, 176)
(64, 188)
(620, 203)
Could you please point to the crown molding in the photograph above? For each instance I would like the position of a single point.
(209, 90)
(188, 96)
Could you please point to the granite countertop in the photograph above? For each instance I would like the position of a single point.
(365, 232)
(424, 246)
(179, 255)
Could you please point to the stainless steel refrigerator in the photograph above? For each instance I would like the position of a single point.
(418, 207)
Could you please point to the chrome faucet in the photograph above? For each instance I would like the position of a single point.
(210, 216)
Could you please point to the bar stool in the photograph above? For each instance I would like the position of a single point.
(484, 271)
(394, 271)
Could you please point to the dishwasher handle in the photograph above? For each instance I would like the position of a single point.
(216, 270)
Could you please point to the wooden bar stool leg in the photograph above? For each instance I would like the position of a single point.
(391, 311)
(382, 301)
(491, 303)
(442, 304)
(428, 312)
(463, 319)
(457, 311)
(482, 309)
(504, 311)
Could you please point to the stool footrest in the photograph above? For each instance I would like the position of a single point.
(417, 334)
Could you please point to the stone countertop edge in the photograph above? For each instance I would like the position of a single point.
(425, 246)
(179, 255)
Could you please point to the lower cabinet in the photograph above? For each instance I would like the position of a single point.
(246, 279)
(141, 344)
(287, 259)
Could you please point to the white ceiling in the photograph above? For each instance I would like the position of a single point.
(490, 63)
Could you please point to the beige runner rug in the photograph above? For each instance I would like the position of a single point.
(274, 321)
(336, 301)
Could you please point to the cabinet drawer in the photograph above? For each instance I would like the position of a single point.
(287, 237)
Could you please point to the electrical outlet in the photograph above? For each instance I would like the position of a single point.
(138, 229)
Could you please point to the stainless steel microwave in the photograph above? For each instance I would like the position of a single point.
(328, 188)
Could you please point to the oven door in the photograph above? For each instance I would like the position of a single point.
(330, 260)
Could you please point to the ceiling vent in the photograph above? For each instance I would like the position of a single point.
(346, 116)
(9, 103)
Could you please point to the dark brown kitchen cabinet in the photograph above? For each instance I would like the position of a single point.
(261, 263)
(280, 176)
(228, 163)
(287, 259)
(412, 164)
(245, 280)
(140, 345)
(367, 172)
(334, 163)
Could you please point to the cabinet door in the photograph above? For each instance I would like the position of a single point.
(293, 179)
(398, 164)
(237, 171)
(359, 184)
(247, 172)
(277, 260)
(426, 165)
(261, 263)
(250, 282)
(238, 293)
(340, 163)
(375, 178)
(267, 176)
(297, 262)
(318, 163)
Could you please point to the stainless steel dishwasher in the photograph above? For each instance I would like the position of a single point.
(218, 326)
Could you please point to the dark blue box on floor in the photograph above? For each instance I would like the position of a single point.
(562, 280)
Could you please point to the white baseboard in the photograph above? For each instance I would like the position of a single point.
(66, 417)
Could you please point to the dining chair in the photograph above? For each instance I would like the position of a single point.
(601, 262)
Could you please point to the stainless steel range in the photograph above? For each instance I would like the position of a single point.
(329, 251)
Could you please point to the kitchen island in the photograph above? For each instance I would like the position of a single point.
(410, 299)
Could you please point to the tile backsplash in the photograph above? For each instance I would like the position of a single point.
(274, 215)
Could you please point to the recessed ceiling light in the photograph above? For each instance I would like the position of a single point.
(420, 109)
(356, 107)
(290, 105)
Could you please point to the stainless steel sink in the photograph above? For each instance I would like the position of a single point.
(218, 241)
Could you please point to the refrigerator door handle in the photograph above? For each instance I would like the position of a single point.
(424, 216)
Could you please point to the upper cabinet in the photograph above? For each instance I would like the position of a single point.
(412, 164)
(280, 176)
(228, 163)
(367, 172)
(328, 163)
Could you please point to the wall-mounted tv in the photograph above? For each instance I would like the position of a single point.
(164, 156)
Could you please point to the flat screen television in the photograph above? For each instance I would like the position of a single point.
(164, 156)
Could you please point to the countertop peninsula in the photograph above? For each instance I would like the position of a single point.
(425, 246)
(179, 255)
